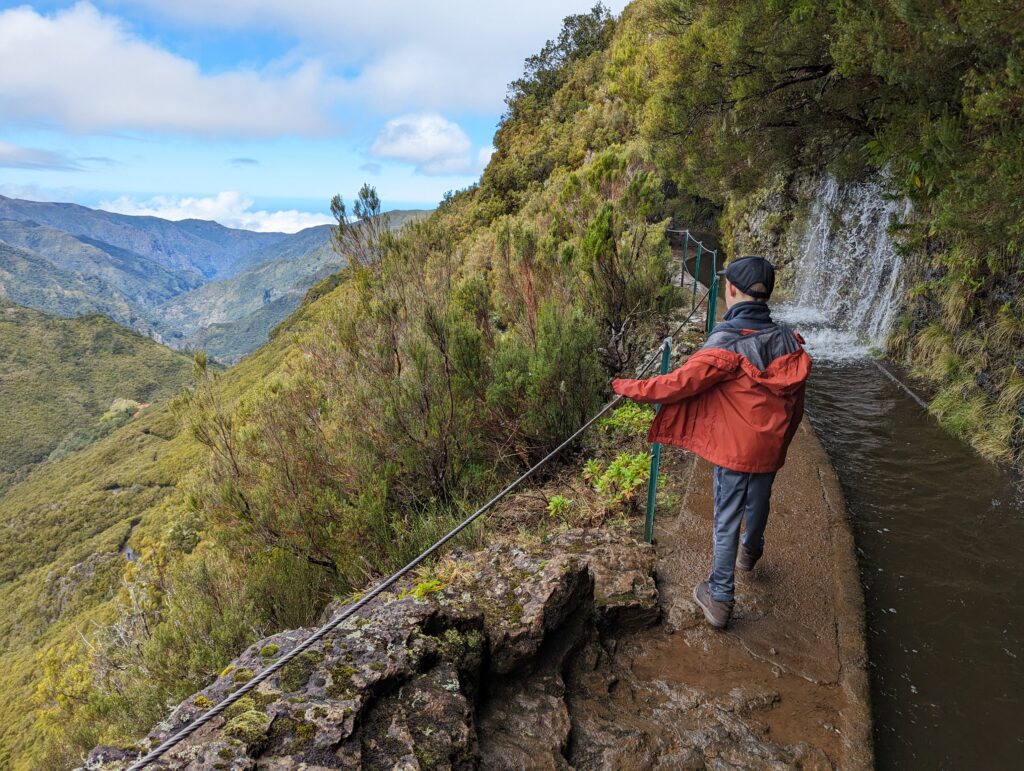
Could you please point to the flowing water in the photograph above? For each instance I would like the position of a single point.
(939, 531)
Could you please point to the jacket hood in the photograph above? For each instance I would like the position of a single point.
(784, 376)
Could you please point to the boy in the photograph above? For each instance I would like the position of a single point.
(737, 403)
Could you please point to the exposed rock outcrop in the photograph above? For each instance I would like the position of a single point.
(400, 685)
(512, 665)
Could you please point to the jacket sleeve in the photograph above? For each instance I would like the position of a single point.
(702, 370)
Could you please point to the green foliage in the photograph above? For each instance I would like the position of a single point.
(422, 589)
(629, 421)
(546, 72)
(618, 483)
(559, 506)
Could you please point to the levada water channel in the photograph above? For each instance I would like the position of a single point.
(939, 531)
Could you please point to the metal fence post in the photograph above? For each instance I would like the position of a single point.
(682, 263)
(712, 304)
(652, 483)
(696, 271)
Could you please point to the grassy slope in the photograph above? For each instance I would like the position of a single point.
(63, 529)
(58, 376)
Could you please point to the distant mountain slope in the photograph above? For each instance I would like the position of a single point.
(292, 247)
(191, 284)
(287, 263)
(58, 377)
(207, 248)
(141, 280)
(231, 317)
(27, 278)
(229, 342)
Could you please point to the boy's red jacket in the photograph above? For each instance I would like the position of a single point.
(738, 400)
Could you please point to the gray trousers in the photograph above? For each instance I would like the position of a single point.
(739, 498)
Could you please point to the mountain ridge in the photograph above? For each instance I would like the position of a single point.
(188, 283)
(204, 246)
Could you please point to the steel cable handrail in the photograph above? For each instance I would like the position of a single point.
(387, 583)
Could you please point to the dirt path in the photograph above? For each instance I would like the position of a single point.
(794, 655)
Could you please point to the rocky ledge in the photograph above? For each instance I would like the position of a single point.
(510, 665)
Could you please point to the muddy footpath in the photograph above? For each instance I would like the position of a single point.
(791, 668)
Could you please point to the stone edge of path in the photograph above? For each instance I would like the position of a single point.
(857, 724)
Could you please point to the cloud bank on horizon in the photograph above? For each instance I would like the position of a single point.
(230, 110)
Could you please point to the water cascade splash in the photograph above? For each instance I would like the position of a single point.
(846, 284)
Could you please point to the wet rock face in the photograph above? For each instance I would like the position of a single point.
(400, 685)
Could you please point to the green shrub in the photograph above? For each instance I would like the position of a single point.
(559, 506)
(629, 421)
(627, 473)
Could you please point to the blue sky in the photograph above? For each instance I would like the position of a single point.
(255, 112)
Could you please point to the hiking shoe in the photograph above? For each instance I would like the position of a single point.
(717, 613)
(746, 559)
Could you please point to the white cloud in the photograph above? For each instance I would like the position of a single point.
(16, 157)
(86, 71)
(431, 142)
(37, 193)
(484, 156)
(228, 208)
(448, 56)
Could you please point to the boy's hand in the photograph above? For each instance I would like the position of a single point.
(618, 386)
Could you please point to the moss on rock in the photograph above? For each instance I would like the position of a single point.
(296, 673)
(249, 727)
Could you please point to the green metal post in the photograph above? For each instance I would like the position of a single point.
(652, 483)
(682, 266)
(696, 272)
(712, 304)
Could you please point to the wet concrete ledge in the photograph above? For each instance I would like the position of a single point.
(849, 602)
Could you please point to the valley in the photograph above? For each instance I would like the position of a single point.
(189, 284)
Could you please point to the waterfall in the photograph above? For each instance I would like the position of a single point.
(845, 282)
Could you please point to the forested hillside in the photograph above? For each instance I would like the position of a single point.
(447, 356)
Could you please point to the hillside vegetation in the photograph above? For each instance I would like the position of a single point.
(406, 387)
(67, 382)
